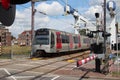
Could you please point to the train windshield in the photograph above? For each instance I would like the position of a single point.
(41, 37)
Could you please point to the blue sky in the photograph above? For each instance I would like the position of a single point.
(51, 20)
(80, 5)
(54, 18)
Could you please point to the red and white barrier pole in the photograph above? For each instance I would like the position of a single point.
(81, 62)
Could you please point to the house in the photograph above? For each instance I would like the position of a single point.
(5, 36)
(24, 39)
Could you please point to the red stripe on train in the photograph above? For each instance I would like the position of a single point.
(79, 42)
(59, 41)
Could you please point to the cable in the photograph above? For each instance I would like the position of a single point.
(63, 2)
(46, 15)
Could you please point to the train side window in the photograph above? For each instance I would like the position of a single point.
(63, 38)
(75, 39)
(52, 40)
(84, 40)
(67, 39)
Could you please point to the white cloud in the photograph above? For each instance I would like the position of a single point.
(54, 18)
(19, 14)
(92, 10)
(95, 2)
(23, 18)
(51, 9)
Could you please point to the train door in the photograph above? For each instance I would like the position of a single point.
(65, 41)
(73, 38)
(84, 43)
(52, 43)
(75, 42)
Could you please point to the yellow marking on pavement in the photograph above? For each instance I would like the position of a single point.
(36, 58)
(71, 61)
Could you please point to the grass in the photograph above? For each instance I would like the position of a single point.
(15, 50)
(116, 74)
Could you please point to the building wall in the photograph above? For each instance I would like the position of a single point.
(24, 39)
(5, 36)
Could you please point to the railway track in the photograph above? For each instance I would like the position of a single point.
(72, 56)
(64, 58)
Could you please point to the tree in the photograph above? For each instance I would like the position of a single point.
(82, 31)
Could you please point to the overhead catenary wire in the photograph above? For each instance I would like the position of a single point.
(43, 13)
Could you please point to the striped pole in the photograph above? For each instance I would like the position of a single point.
(81, 62)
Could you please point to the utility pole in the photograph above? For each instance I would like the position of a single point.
(105, 38)
(32, 19)
(32, 23)
(117, 45)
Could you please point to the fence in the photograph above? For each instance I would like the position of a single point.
(16, 52)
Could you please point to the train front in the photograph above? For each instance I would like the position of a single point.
(40, 43)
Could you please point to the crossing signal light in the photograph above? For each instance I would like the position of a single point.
(90, 35)
(116, 24)
(106, 34)
(8, 10)
(97, 15)
(19, 1)
(7, 13)
(5, 4)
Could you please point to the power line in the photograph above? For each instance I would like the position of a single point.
(61, 1)
(47, 15)
(41, 12)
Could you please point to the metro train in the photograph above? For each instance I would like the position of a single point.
(50, 41)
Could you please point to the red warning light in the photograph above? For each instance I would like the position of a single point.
(5, 4)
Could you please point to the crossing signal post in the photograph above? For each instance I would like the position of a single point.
(97, 45)
(0, 48)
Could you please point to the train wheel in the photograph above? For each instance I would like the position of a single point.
(39, 54)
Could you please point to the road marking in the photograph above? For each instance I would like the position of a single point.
(25, 64)
(9, 73)
(55, 77)
(24, 76)
(71, 61)
(36, 58)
